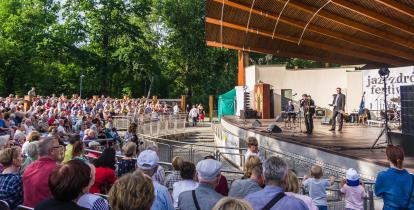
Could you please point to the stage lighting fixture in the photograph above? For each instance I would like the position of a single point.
(384, 72)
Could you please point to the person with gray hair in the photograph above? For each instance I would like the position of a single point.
(204, 197)
(35, 182)
(272, 197)
(32, 152)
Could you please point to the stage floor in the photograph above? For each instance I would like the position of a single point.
(353, 141)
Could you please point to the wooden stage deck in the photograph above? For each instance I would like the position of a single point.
(353, 141)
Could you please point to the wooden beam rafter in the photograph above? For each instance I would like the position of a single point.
(352, 24)
(400, 7)
(374, 15)
(319, 30)
(313, 44)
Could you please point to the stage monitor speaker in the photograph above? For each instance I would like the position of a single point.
(320, 113)
(279, 118)
(248, 114)
(407, 109)
(326, 121)
(274, 129)
(257, 123)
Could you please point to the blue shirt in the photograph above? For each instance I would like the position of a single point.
(11, 189)
(162, 198)
(394, 187)
(260, 198)
(317, 190)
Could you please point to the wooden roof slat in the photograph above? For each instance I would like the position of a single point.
(352, 24)
(319, 30)
(398, 7)
(280, 53)
(317, 45)
(373, 15)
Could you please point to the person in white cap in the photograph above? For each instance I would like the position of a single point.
(147, 163)
(204, 197)
(353, 190)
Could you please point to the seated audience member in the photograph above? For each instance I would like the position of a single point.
(32, 152)
(67, 183)
(253, 149)
(292, 189)
(228, 203)
(78, 152)
(11, 186)
(69, 147)
(159, 175)
(188, 175)
(129, 162)
(222, 187)
(90, 135)
(105, 172)
(19, 136)
(32, 137)
(147, 163)
(251, 162)
(242, 187)
(94, 145)
(394, 185)
(317, 187)
(275, 174)
(175, 175)
(91, 201)
(204, 197)
(353, 189)
(35, 184)
(132, 191)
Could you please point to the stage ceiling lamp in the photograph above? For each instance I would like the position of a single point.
(384, 72)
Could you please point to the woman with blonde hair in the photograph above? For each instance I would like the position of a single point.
(132, 191)
(251, 162)
(292, 189)
(229, 203)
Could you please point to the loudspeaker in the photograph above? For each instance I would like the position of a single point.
(407, 109)
(326, 121)
(248, 114)
(274, 129)
(279, 118)
(256, 124)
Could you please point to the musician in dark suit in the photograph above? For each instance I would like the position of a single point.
(338, 104)
(308, 106)
(290, 110)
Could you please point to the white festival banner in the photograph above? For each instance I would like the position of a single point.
(373, 86)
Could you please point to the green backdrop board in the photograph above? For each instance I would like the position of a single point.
(226, 103)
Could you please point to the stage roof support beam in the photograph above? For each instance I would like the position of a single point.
(319, 30)
(313, 44)
(397, 6)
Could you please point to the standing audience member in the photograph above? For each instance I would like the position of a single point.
(105, 172)
(292, 189)
(272, 196)
(251, 162)
(204, 197)
(131, 192)
(91, 201)
(147, 163)
(129, 162)
(353, 190)
(229, 203)
(11, 186)
(223, 186)
(67, 183)
(159, 175)
(188, 175)
(395, 185)
(317, 187)
(175, 176)
(242, 187)
(32, 154)
(253, 149)
(35, 183)
(194, 115)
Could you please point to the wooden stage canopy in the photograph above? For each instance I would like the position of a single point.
(347, 32)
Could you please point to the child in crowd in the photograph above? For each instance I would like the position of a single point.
(353, 189)
(317, 187)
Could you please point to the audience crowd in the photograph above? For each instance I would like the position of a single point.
(51, 158)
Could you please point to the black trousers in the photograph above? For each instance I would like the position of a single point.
(309, 123)
(341, 119)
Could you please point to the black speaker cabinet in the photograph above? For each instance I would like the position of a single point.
(274, 129)
(407, 109)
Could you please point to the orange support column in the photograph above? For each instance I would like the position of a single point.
(183, 105)
(243, 61)
(211, 104)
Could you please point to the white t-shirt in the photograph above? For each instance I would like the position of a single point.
(354, 197)
(258, 154)
(182, 186)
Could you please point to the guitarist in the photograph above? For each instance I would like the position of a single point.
(338, 109)
(308, 106)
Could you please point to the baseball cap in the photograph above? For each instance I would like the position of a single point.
(352, 177)
(147, 160)
(208, 169)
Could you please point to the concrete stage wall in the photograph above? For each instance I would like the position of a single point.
(368, 170)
